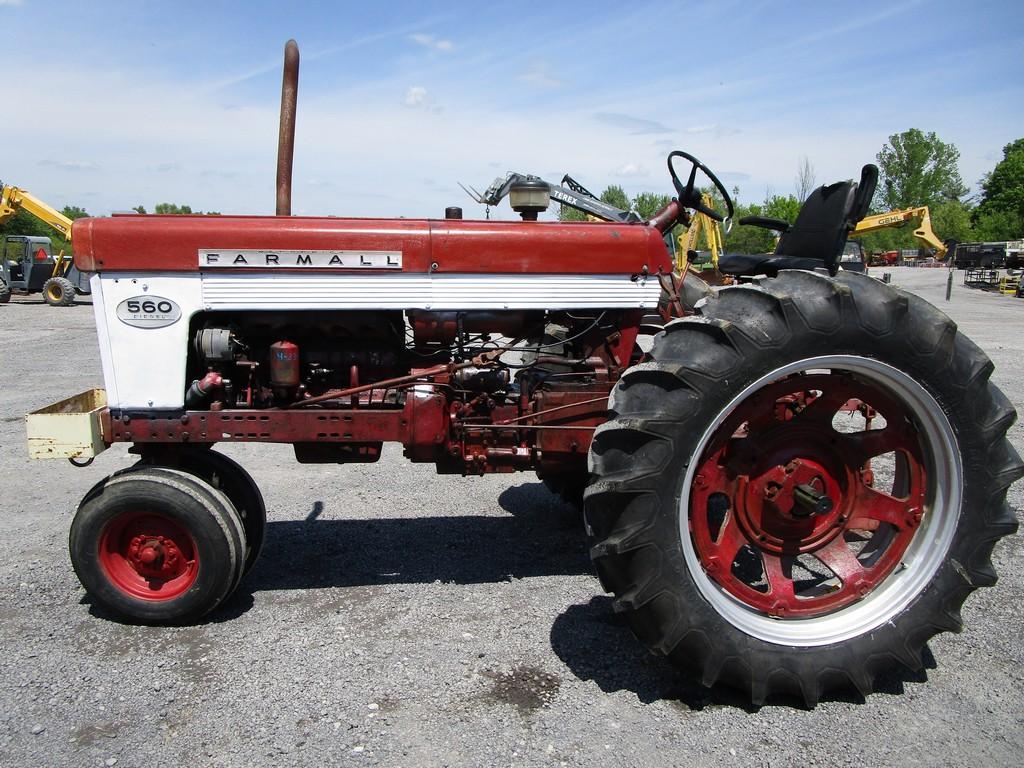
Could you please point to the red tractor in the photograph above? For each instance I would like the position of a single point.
(792, 489)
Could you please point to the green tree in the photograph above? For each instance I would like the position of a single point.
(918, 168)
(997, 225)
(646, 204)
(952, 220)
(174, 208)
(171, 208)
(75, 212)
(1001, 211)
(750, 239)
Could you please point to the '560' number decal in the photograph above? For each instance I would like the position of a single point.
(148, 312)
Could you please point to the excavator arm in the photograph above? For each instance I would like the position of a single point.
(12, 199)
(922, 232)
(700, 224)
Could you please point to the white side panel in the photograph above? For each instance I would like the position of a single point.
(146, 365)
(103, 335)
(427, 291)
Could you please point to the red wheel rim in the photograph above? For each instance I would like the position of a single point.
(148, 555)
(788, 515)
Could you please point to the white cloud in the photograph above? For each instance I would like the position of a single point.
(631, 170)
(539, 74)
(70, 165)
(635, 126)
(431, 42)
(11, 3)
(416, 96)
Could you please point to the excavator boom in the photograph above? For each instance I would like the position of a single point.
(12, 199)
(923, 232)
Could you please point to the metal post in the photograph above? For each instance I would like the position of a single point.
(286, 136)
(949, 285)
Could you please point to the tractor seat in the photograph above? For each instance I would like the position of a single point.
(816, 239)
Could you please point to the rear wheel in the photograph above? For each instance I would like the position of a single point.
(802, 486)
(5, 292)
(157, 546)
(59, 292)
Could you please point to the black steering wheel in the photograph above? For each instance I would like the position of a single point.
(689, 195)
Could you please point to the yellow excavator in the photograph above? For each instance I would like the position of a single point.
(27, 264)
(700, 224)
(923, 232)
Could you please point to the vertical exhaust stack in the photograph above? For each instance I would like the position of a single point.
(286, 136)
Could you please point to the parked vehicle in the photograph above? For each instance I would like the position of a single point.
(791, 492)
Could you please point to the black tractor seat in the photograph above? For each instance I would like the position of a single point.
(816, 239)
(763, 263)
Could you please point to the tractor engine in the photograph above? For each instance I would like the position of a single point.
(274, 359)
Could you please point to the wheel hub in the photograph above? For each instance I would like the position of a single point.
(791, 508)
(148, 556)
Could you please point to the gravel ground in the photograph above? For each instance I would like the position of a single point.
(401, 618)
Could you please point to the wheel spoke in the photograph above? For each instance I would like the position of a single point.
(840, 559)
(730, 540)
(872, 504)
(873, 442)
(778, 572)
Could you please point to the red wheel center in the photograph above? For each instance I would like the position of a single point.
(148, 555)
(775, 506)
(784, 512)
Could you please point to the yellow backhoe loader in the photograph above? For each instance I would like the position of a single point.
(27, 264)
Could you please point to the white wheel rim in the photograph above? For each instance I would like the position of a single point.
(926, 552)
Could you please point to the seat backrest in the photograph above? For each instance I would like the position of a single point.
(826, 218)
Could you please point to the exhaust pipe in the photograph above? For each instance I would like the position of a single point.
(286, 136)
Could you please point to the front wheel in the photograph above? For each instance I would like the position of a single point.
(157, 546)
(802, 486)
(59, 292)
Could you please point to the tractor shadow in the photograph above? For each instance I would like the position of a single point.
(596, 645)
(540, 537)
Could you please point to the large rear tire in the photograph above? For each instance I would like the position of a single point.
(157, 546)
(802, 486)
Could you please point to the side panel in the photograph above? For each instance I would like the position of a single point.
(103, 335)
(144, 367)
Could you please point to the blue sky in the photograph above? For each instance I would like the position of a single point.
(109, 105)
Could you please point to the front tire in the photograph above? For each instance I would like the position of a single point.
(802, 486)
(59, 292)
(157, 546)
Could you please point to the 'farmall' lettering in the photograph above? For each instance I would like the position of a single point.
(255, 259)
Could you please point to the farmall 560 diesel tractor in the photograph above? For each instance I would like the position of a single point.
(791, 491)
